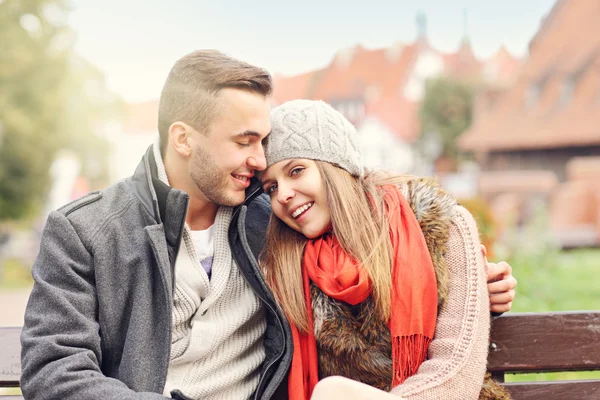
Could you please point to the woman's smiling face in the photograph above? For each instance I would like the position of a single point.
(298, 196)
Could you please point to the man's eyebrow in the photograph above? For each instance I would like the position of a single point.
(249, 134)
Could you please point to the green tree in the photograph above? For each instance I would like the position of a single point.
(446, 112)
(44, 102)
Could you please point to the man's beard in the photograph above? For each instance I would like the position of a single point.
(212, 182)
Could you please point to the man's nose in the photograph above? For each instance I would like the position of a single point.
(258, 160)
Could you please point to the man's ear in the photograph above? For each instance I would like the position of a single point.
(180, 138)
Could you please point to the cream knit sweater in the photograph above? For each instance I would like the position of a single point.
(218, 325)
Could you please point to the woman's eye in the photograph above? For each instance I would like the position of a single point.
(296, 170)
(271, 189)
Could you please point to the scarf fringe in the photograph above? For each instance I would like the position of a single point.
(408, 353)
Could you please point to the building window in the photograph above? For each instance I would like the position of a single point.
(532, 95)
(566, 91)
(535, 90)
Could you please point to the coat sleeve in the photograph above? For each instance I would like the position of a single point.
(61, 351)
(457, 355)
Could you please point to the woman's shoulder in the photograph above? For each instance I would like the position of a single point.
(432, 205)
(435, 210)
(428, 200)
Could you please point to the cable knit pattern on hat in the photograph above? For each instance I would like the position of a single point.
(313, 130)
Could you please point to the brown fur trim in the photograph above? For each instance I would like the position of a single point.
(352, 341)
(492, 390)
(434, 209)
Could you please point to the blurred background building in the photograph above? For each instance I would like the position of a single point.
(538, 140)
(514, 136)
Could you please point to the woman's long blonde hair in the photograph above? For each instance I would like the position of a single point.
(359, 225)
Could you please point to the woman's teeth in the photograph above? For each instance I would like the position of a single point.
(300, 210)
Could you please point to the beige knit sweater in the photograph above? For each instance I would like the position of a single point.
(458, 353)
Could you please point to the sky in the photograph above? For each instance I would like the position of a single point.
(135, 42)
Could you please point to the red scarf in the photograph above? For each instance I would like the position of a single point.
(414, 295)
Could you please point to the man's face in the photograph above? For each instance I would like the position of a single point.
(225, 158)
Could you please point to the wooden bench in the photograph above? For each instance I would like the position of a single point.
(519, 343)
(547, 342)
(10, 359)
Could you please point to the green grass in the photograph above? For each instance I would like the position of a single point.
(553, 376)
(558, 281)
(551, 280)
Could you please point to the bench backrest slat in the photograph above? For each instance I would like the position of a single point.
(10, 357)
(545, 342)
(554, 390)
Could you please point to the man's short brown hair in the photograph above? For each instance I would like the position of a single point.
(190, 91)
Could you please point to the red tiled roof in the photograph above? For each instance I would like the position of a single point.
(502, 68)
(398, 114)
(377, 78)
(354, 71)
(373, 76)
(561, 79)
(294, 87)
(463, 63)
